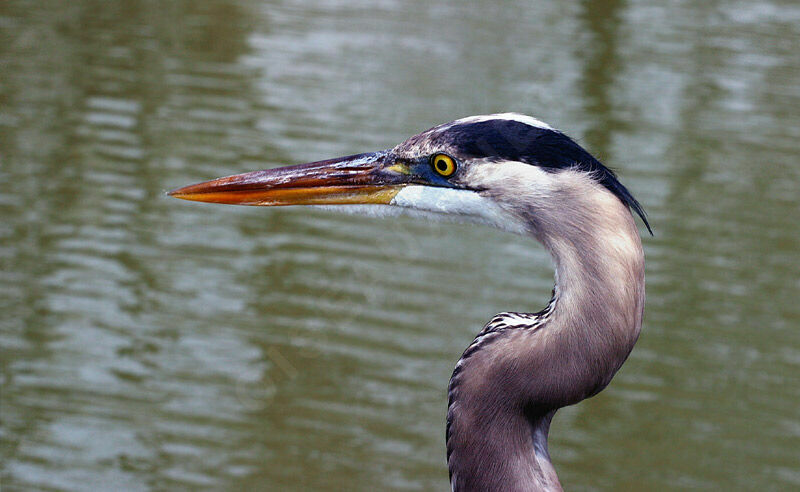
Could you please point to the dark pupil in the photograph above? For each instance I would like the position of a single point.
(441, 165)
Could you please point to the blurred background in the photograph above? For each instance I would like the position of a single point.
(148, 343)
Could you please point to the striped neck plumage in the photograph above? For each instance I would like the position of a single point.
(522, 367)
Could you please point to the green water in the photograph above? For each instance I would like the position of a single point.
(148, 343)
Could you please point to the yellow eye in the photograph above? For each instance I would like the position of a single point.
(443, 164)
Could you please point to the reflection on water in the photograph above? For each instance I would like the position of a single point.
(149, 343)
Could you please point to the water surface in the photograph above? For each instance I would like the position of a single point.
(149, 343)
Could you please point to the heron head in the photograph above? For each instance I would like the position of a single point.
(505, 170)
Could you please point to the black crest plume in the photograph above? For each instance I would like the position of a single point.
(506, 139)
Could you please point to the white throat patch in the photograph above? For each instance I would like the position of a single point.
(439, 204)
(459, 205)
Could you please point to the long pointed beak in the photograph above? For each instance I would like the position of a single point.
(363, 178)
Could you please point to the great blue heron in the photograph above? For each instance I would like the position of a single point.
(518, 174)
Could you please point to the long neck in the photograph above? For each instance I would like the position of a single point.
(521, 368)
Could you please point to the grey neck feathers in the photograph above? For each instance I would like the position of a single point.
(522, 368)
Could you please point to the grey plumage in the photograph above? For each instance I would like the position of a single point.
(518, 174)
(520, 370)
(522, 367)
